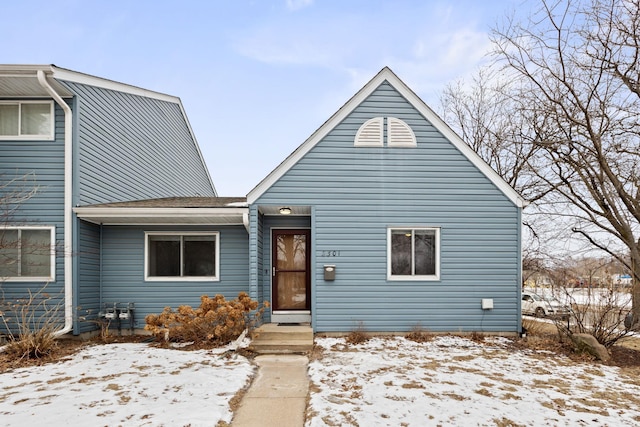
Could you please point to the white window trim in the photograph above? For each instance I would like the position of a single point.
(431, 277)
(148, 278)
(48, 137)
(52, 261)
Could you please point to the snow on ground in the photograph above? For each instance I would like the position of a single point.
(453, 381)
(125, 384)
(449, 381)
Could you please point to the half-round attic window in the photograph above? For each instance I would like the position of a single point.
(370, 133)
(399, 133)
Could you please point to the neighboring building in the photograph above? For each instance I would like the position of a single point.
(621, 279)
(82, 140)
(383, 218)
(536, 279)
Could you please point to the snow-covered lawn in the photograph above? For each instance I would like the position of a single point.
(453, 381)
(125, 384)
(449, 381)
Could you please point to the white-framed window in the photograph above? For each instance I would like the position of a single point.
(27, 254)
(413, 253)
(26, 120)
(186, 256)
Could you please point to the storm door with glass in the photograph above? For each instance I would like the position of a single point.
(291, 288)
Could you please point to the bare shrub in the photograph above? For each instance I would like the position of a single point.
(419, 334)
(358, 335)
(31, 324)
(534, 327)
(477, 336)
(216, 321)
(600, 313)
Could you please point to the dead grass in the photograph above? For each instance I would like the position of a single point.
(477, 336)
(544, 336)
(358, 335)
(419, 334)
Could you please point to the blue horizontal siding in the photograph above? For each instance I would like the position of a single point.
(123, 270)
(359, 192)
(132, 147)
(43, 163)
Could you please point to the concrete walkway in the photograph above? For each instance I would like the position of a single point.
(278, 395)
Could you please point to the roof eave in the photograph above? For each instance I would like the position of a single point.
(162, 216)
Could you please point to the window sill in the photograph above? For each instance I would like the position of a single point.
(27, 279)
(182, 279)
(27, 138)
(413, 278)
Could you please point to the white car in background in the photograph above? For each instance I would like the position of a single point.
(541, 306)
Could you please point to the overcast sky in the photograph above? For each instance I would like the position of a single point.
(256, 77)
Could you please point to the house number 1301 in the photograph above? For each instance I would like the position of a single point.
(330, 253)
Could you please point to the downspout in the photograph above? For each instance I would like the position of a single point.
(68, 213)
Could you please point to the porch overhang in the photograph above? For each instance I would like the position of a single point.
(169, 211)
(277, 210)
(162, 216)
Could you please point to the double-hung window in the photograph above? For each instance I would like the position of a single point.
(182, 256)
(26, 120)
(27, 253)
(413, 253)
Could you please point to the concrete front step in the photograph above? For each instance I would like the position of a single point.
(282, 339)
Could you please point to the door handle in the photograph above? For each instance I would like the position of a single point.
(274, 272)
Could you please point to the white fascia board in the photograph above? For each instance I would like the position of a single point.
(77, 77)
(123, 214)
(413, 99)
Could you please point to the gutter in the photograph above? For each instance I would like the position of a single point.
(68, 213)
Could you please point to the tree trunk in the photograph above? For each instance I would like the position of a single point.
(635, 286)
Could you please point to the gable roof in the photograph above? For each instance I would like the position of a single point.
(21, 81)
(386, 75)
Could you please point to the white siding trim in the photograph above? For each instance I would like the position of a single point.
(385, 75)
(400, 134)
(370, 134)
(87, 79)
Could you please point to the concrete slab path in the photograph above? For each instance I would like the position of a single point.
(278, 395)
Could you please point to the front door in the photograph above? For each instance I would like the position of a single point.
(291, 273)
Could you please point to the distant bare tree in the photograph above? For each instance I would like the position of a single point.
(482, 111)
(563, 126)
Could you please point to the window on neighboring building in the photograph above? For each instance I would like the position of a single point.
(27, 253)
(182, 256)
(26, 120)
(413, 253)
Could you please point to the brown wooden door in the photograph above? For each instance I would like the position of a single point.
(291, 274)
